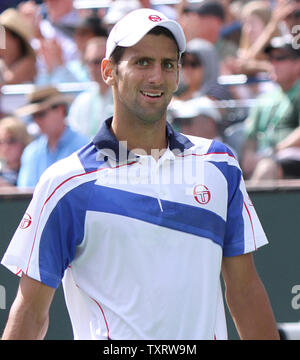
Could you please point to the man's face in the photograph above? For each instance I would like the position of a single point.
(49, 120)
(192, 71)
(94, 54)
(145, 79)
(285, 67)
(207, 27)
(11, 148)
(189, 22)
(81, 38)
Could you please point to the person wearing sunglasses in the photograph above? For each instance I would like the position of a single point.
(199, 83)
(200, 71)
(192, 71)
(84, 115)
(272, 146)
(48, 108)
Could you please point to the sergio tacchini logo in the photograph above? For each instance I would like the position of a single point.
(201, 194)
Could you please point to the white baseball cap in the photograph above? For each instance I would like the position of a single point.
(135, 25)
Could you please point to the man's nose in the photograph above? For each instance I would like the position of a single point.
(155, 74)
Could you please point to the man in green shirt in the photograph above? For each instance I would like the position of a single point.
(272, 145)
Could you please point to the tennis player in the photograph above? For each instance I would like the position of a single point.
(141, 222)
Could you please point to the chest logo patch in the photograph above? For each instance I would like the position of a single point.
(25, 222)
(201, 194)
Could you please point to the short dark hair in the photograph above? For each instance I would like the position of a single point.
(158, 30)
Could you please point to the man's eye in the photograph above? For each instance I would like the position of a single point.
(168, 65)
(143, 62)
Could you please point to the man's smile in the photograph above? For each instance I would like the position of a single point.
(152, 94)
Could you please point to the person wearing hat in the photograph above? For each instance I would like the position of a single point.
(197, 116)
(272, 128)
(17, 58)
(138, 242)
(48, 108)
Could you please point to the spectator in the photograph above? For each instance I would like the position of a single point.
(59, 14)
(167, 10)
(260, 24)
(86, 29)
(13, 139)
(197, 117)
(96, 103)
(117, 10)
(75, 70)
(254, 18)
(17, 59)
(231, 29)
(273, 136)
(205, 21)
(200, 71)
(53, 42)
(48, 108)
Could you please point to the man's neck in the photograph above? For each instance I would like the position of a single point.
(288, 85)
(54, 138)
(142, 138)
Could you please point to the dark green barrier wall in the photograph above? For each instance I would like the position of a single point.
(12, 209)
(277, 263)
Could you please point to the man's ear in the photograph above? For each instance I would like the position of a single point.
(107, 70)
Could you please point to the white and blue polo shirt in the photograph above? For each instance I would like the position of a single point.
(138, 243)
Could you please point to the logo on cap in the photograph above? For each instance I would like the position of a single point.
(155, 18)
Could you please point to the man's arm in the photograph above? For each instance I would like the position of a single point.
(247, 299)
(29, 315)
(292, 140)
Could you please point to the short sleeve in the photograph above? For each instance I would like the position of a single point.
(45, 241)
(244, 232)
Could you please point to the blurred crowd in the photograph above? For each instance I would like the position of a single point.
(240, 80)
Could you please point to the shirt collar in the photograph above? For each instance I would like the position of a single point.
(108, 144)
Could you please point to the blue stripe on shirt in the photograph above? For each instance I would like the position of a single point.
(234, 241)
(64, 229)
